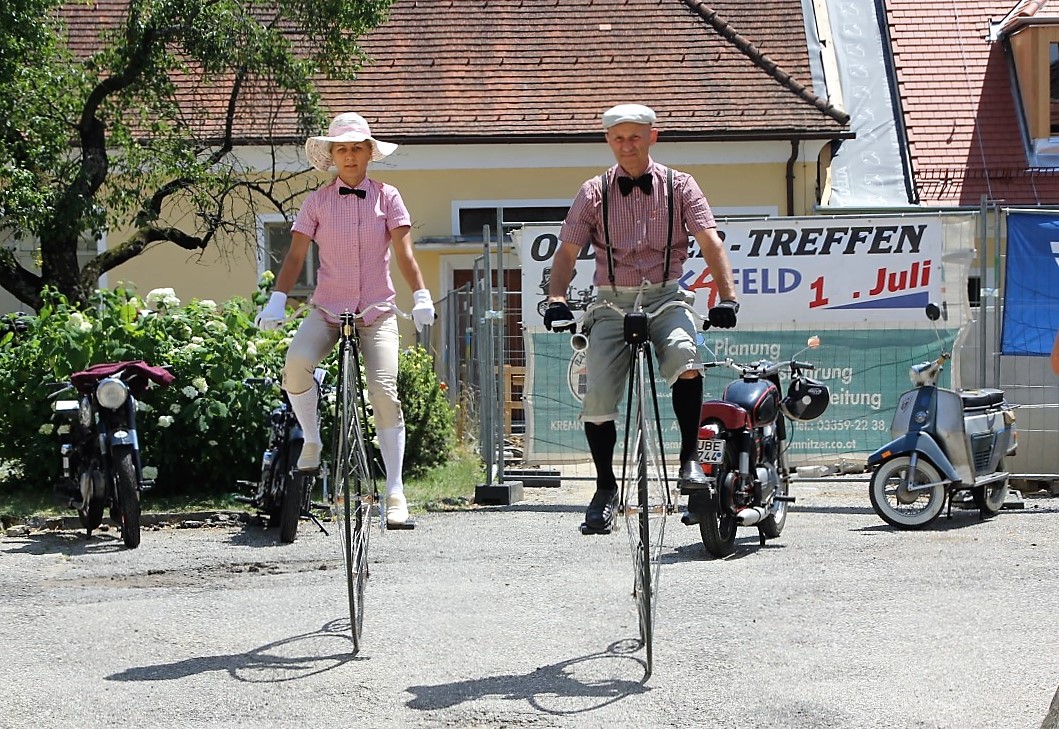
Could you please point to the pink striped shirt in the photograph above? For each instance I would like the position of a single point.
(353, 236)
(638, 225)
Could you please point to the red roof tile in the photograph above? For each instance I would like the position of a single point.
(959, 109)
(529, 70)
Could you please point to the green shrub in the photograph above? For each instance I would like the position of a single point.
(429, 418)
(208, 429)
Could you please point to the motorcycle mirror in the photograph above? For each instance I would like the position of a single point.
(933, 311)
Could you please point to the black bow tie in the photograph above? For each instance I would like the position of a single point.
(626, 184)
(352, 191)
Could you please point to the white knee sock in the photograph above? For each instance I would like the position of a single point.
(304, 405)
(391, 444)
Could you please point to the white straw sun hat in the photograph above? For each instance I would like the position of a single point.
(348, 127)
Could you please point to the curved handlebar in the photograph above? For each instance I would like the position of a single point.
(763, 367)
(579, 341)
(702, 320)
(381, 306)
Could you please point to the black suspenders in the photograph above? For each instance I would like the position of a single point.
(669, 229)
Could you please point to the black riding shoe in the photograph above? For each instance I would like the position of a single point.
(691, 474)
(599, 516)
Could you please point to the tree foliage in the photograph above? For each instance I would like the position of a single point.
(138, 135)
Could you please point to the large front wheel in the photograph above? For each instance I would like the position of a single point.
(128, 494)
(900, 494)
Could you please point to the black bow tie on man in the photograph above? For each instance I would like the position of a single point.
(352, 191)
(644, 182)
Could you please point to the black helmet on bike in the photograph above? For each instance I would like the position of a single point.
(807, 399)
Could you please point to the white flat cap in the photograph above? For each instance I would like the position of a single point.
(635, 113)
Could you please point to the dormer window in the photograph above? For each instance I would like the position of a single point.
(1053, 89)
(1034, 46)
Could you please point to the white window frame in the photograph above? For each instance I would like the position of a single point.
(307, 280)
(458, 205)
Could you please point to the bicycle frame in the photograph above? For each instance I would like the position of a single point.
(650, 464)
(354, 498)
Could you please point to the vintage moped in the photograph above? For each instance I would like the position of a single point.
(945, 443)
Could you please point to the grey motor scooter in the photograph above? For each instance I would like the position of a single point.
(944, 442)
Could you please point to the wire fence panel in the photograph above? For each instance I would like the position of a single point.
(534, 381)
(865, 369)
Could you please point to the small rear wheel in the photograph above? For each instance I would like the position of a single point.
(718, 527)
(772, 525)
(91, 515)
(292, 492)
(990, 498)
(291, 511)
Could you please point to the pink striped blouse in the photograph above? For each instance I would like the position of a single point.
(638, 225)
(353, 236)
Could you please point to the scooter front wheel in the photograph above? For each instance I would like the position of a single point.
(897, 502)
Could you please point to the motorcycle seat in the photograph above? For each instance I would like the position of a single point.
(983, 398)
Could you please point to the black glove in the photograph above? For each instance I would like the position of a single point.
(723, 315)
(558, 317)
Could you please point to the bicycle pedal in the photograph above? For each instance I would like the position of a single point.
(586, 529)
(410, 524)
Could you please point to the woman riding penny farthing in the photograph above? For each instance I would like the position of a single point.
(636, 217)
(356, 223)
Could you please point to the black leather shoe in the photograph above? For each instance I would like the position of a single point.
(600, 511)
(691, 473)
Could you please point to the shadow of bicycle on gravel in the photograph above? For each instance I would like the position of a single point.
(289, 659)
(570, 687)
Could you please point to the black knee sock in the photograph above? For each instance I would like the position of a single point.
(601, 440)
(687, 404)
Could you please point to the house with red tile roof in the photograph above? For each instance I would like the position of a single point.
(496, 107)
(976, 92)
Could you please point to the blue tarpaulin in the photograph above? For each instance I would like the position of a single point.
(1031, 292)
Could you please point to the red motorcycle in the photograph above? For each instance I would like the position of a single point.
(742, 449)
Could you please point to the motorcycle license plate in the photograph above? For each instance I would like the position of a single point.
(711, 451)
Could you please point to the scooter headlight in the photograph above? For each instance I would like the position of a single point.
(112, 393)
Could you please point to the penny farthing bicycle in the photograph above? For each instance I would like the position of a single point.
(353, 493)
(645, 495)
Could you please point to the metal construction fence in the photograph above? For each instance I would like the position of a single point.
(516, 387)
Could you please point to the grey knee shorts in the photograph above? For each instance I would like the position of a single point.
(673, 340)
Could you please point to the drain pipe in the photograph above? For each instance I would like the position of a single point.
(790, 178)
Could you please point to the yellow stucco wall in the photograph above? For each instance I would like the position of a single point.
(429, 194)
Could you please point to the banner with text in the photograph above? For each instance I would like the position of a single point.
(811, 271)
(860, 284)
(866, 371)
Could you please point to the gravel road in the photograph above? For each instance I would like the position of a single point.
(508, 617)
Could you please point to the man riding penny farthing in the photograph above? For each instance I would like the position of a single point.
(636, 216)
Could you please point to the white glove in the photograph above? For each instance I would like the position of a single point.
(273, 313)
(423, 309)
